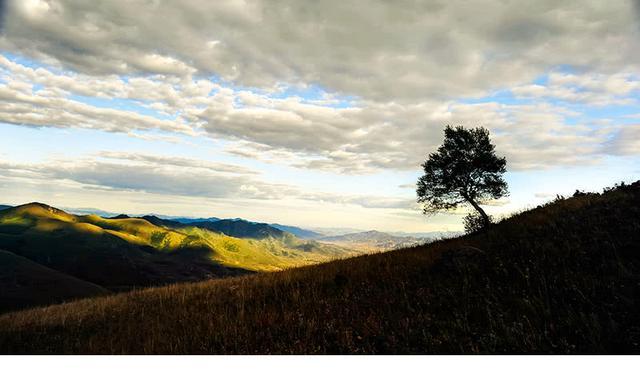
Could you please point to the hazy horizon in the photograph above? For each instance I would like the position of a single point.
(312, 115)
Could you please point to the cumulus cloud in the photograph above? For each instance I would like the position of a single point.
(359, 138)
(40, 98)
(179, 162)
(626, 141)
(592, 89)
(374, 49)
(155, 174)
(408, 65)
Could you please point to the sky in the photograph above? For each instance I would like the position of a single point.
(316, 114)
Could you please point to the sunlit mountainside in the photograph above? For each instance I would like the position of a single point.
(120, 253)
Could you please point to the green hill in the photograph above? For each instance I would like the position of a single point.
(25, 283)
(267, 253)
(116, 254)
(563, 278)
(122, 253)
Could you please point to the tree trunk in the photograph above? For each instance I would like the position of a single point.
(484, 215)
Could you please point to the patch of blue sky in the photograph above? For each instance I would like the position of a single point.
(541, 80)
(310, 93)
(40, 144)
(142, 107)
(313, 94)
(501, 96)
(31, 63)
(617, 112)
(565, 69)
(529, 188)
(28, 144)
(34, 145)
(234, 86)
(381, 182)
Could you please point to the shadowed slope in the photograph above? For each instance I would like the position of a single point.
(560, 278)
(243, 229)
(25, 283)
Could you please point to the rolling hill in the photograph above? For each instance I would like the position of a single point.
(120, 253)
(267, 253)
(113, 253)
(168, 223)
(560, 278)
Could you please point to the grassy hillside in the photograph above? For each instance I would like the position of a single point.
(123, 252)
(115, 254)
(563, 278)
(267, 254)
(25, 283)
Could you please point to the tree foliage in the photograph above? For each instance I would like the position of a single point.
(464, 169)
(474, 222)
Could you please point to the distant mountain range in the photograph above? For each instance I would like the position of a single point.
(242, 228)
(335, 231)
(373, 241)
(435, 235)
(190, 220)
(299, 232)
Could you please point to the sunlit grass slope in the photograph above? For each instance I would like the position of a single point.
(265, 254)
(561, 278)
(113, 254)
(126, 252)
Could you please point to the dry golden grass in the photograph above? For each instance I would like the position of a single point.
(563, 278)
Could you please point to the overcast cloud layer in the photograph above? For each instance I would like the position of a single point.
(349, 87)
(374, 49)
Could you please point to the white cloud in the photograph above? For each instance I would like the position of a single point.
(626, 141)
(152, 174)
(364, 137)
(408, 65)
(591, 89)
(374, 49)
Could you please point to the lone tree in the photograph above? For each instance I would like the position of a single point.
(465, 168)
